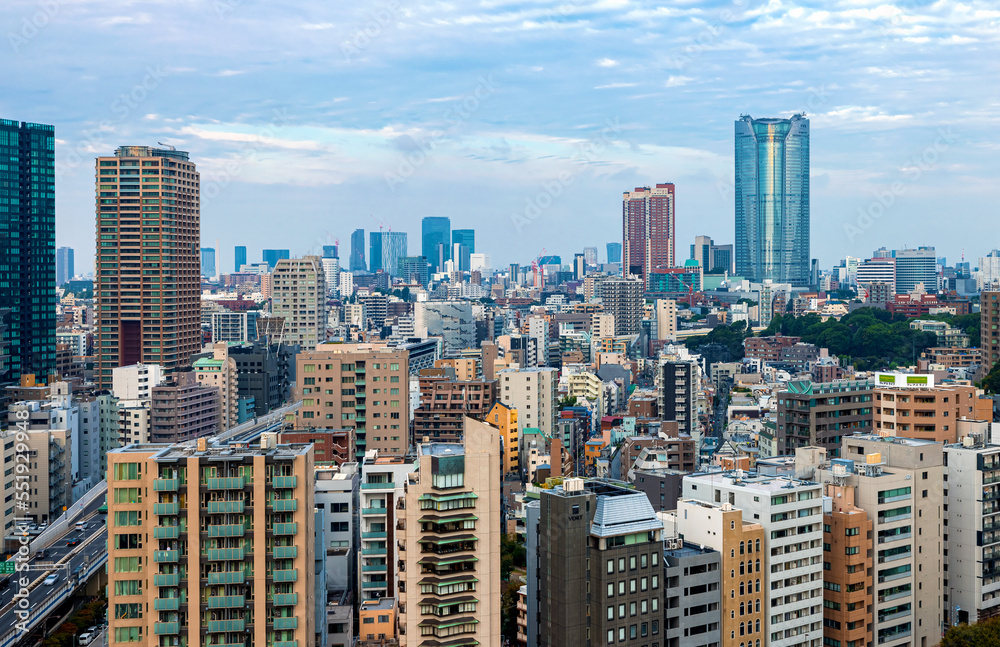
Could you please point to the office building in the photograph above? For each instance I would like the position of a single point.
(623, 299)
(358, 251)
(381, 422)
(435, 241)
(599, 576)
(649, 237)
(183, 409)
(272, 256)
(208, 263)
(264, 373)
(911, 406)
(240, 256)
(614, 252)
(27, 249)
(532, 391)
(330, 251)
(452, 321)
(579, 266)
(692, 599)
(678, 388)
(445, 402)
(915, 267)
(772, 199)
(382, 515)
(790, 512)
(590, 256)
(331, 273)
(463, 246)
(820, 414)
(299, 297)
(878, 270)
(225, 539)
(414, 269)
(64, 265)
(387, 247)
(451, 543)
(167, 331)
(235, 327)
(714, 259)
(989, 308)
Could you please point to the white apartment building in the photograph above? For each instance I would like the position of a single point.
(136, 382)
(381, 502)
(532, 391)
(337, 494)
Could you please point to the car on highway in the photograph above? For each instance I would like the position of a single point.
(42, 554)
(73, 542)
(4, 584)
(50, 580)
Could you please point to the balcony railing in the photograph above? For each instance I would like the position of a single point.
(373, 551)
(378, 486)
(221, 626)
(165, 485)
(373, 535)
(226, 554)
(285, 528)
(167, 556)
(286, 600)
(227, 530)
(285, 505)
(227, 577)
(284, 624)
(226, 602)
(167, 604)
(289, 575)
(226, 507)
(285, 482)
(166, 579)
(286, 552)
(166, 628)
(226, 483)
(367, 511)
(166, 532)
(166, 508)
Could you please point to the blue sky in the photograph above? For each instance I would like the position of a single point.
(524, 120)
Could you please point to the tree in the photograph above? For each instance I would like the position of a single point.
(982, 634)
(568, 401)
(991, 383)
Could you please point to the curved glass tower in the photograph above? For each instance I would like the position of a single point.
(772, 199)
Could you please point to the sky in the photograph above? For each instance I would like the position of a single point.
(523, 120)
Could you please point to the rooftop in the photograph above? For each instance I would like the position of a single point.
(750, 480)
(688, 550)
(442, 449)
(893, 440)
(173, 452)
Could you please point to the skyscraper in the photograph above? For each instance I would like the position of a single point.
(27, 247)
(330, 251)
(358, 251)
(434, 241)
(299, 287)
(241, 257)
(772, 199)
(208, 262)
(713, 258)
(915, 266)
(590, 254)
(166, 331)
(272, 256)
(614, 252)
(64, 265)
(648, 235)
(463, 244)
(387, 247)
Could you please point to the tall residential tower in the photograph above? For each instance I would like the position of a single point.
(648, 235)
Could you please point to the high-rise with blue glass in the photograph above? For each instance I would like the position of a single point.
(28, 249)
(463, 246)
(358, 251)
(387, 247)
(772, 199)
(434, 241)
(241, 257)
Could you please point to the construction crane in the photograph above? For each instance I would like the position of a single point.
(381, 224)
(534, 269)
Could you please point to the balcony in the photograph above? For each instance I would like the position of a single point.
(166, 579)
(286, 600)
(359, 382)
(167, 604)
(165, 485)
(374, 585)
(373, 551)
(375, 568)
(166, 556)
(227, 530)
(285, 505)
(368, 511)
(225, 507)
(282, 624)
(286, 552)
(226, 602)
(226, 483)
(166, 508)
(289, 575)
(373, 535)
(285, 482)
(226, 577)
(286, 643)
(166, 532)
(286, 528)
(360, 419)
(166, 628)
(225, 554)
(378, 486)
(222, 626)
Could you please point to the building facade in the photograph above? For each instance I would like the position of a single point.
(649, 237)
(299, 296)
(622, 298)
(820, 414)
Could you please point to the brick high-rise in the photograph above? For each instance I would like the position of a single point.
(147, 284)
(648, 235)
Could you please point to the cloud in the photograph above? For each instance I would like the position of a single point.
(607, 62)
(611, 86)
(677, 81)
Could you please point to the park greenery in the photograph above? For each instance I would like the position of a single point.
(982, 634)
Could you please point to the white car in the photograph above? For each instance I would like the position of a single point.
(50, 580)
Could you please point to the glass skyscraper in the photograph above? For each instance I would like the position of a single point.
(772, 199)
(463, 243)
(208, 262)
(358, 251)
(241, 257)
(387, 247)
(434, 241)
(272, 256)
(28, 249)
(64, 265)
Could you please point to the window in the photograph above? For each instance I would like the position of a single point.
(851, 550)
(611, 613)
(656, 582)
(621, 610)
(611, 566)
(621, 564)
(642, 560)
(611, 636)
(851, 532)
(632, 563)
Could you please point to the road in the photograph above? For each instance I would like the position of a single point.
(93, 545)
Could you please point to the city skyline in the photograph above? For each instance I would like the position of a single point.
(293, 154)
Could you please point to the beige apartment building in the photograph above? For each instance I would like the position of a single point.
(364, 387)
(532, 391)
(912, 406)
(211, 545)
(147, 269)
(220, 371)
(298, 294)
(449, 592)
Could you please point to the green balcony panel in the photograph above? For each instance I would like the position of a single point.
(226, 602)
(286, 600)
(166, 556)
(165, 485)
(166, 508)
(289, 575)
(360, 419)
(378, 486)
(221, 626)
(285, 481)
(286, 643)
(373, 585)
(373, 551)
(373, 535)
(375, 568)
(166, 532)
(286, 552)
(167, 604)
(374, 511)
(226, 483)
(285, 528)
(225, 554)
(225, 507)
(284, 624)
(285, 505)
(166, 628)
(227, 530)
(227, 577)
(166, 579)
